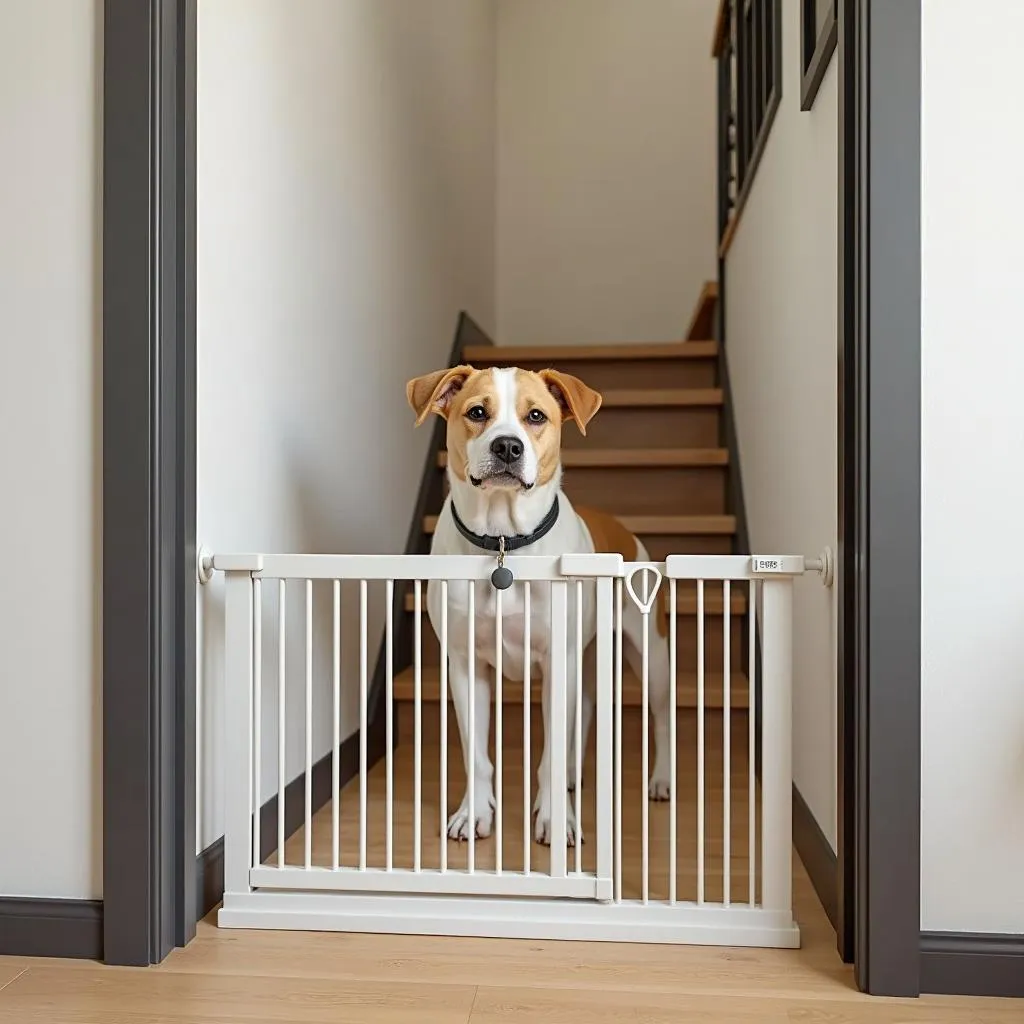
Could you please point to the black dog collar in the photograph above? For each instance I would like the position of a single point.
(513, 543)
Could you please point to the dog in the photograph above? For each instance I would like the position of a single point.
(504, 430)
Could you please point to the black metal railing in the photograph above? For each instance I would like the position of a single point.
(748, 51)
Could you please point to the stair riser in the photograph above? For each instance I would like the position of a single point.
(659, 546)
(649, 427)
(641, 373)
(686, 642)
(645, 490)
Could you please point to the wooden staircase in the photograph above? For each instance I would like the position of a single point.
(654, 456)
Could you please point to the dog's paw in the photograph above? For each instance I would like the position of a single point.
(660, 786)
(542, 823)
(458, 823)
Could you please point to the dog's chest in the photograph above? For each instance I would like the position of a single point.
(514, 628)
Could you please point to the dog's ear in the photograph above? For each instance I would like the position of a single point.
(578, 402)
(434, 392)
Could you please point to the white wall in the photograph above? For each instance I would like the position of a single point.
(50, 447)
(346, 213)
(972, 791)
(606, 168)
(781, 324)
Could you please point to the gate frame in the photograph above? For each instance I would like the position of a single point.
(149, 413)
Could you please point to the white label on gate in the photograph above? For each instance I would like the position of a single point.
(783, 564)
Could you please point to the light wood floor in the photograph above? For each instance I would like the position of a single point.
(288, 978)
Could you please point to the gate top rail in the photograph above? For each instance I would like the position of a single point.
(524, 567)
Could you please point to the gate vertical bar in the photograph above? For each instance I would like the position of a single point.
(238, 683)
(417, 809)
(603, 739)
(336, 723)
(282, 735)
(578, 731)
(527, 725)
(499, 739)
(776, 740)
(557, 718)
(726, 744)
(444, 727)
(257, 714)
(618, 740)
(308, 813)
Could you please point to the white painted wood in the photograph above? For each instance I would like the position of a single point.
(776, 745)
(257, 715)
(673, 774)
(618, 740)
(282, 594)
(752, 866)
(308, 813)
(498, 735)
(512, 918)
(417, 808)
(389, 721)
(726, 745)
(362, 724)
(238, 681)
(560, 903)
(336, 723)
(454, 883)
(557, 718)
(603, 714)
(700, 742)
(527, 727)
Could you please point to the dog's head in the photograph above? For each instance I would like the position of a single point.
(504, 425)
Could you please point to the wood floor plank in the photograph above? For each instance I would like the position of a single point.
(104, 996)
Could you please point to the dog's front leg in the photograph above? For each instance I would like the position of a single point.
(474, 750)
(542, 805)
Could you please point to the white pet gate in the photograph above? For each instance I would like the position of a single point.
(710, 865)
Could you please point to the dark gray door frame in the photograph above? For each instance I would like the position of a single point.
(149, 419)
(149, 484)
(879, 564)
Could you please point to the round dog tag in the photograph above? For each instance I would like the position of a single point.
(501, 578)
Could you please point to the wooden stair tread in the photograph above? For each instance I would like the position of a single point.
(639, 398)
(641, 525)
(551, 354)
(512, 691)
(579, 458)
(686, 600)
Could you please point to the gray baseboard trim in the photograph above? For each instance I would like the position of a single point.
(817, 855)
(51, 928)
(972, 964)
(210, 863)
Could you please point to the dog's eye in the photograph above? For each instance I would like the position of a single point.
(536, 416)
(477, 413)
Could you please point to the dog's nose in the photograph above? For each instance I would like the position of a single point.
(508, 449)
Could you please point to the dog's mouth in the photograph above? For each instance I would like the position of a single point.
(503, 479)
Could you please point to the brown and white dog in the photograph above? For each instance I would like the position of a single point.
(504, 431)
